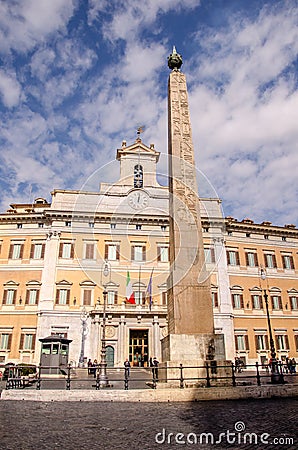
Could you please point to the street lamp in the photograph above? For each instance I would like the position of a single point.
(103, 377)
(276, 376)
(83, 317)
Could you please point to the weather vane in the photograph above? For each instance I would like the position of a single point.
(140, 130)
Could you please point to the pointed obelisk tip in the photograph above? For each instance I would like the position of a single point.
(174, 60)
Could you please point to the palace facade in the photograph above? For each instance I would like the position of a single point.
(58, 258)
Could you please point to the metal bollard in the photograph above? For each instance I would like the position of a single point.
(258, 374)
(181, 377)
(207, 376)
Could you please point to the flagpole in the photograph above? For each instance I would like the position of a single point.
(150, 293)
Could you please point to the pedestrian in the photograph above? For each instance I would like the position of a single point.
(155, 368)
(293, 365)
(94, 367)
(127, 368)
(89, 364)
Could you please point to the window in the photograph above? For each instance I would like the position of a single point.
(288, 262)
(139, 297)
(89, 250)
(40, 225)
(37, 251)
(164, 298)
(62, 296)
(270, 260)
(5, 341)
(162, 253)
(282, 342)
(32, 296)
(138, 227)
(209, 255)
(138, 253)
(87, 295)
(9, 296)
(262, 342)
(214, 296)
(68, 223)
(112, 252)
(276, 302)
(138, 176)
(66, 250)
(113, 226)
(27, 341)
(241, 342)
(233, 257)
(257, 302)
(91, 224)
(251, 259)
(237, 300)
(112, 298)
(19, 225)
(163, 227)
(16, 251)
(294, 302)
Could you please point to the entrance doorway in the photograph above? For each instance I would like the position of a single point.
(110, 355)
(138, 347)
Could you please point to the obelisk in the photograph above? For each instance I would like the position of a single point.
(190, 314)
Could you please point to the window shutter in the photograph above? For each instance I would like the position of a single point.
(212, 254)
(292, 262)
(274, 260)
(116, 298)
(68, 296)
(280, 302)
(21, 251)
(43, 250)
(27, 296)
(72, 251)
(132, 253)
(22, 341)
(32, 251)
(241, 301)
(246, 258)
(266, 342)
(61, 250)
(10, 251)
(57, 296)
(117, 252)
(237, 258)
(283, 261)
(233, 300)
(87, 297)
(256, 259)
(14, 297)
(261, 301)
(257, 343)
(144, 253)
(246, 342)
(287, 342)
(37, 296)
(106, 251)
(9, 341)
(296, 341)
(158, 254)
(236, 343)
(4, 297)
(228, 257)
(33, 342)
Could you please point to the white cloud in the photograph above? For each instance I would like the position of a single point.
(10, 89)
(24, 23)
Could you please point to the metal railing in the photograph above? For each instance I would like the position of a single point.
(209, 375)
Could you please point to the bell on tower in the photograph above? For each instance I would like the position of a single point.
(138, 176)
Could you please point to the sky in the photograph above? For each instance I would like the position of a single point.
(79, 76)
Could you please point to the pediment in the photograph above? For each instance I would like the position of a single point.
(137, 148)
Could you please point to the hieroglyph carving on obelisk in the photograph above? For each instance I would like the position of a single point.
(189, 297)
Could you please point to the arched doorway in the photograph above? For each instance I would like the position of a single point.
(110, 352)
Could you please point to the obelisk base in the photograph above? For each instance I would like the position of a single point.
(193, 351)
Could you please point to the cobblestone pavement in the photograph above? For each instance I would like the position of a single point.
(95, 425)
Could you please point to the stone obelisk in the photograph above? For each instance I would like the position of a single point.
(191, 337)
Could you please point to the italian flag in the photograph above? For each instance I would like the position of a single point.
(130, 297)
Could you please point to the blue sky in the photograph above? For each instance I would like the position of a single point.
(77, 77)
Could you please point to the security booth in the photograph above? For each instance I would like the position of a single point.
(54, 354)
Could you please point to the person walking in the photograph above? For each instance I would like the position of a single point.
(127, 368)
(155, 368)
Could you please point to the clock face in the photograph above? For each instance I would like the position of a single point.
(138, 199)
